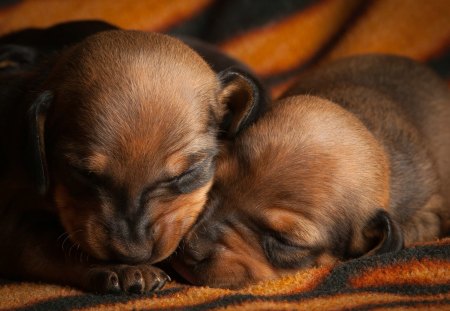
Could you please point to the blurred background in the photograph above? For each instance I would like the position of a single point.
(277, 39)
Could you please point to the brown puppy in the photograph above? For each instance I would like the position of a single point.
(354, 161)
(120, 134)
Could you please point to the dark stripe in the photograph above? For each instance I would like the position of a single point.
(90, 300)
(230, 300)
(5, 3)
(6, 282)
(335, 283)
(404, 289)
(238, 299)
(338, 278)
(56, 37)
(325, 49)
(403, 303)
(441, 64)
(224, 19)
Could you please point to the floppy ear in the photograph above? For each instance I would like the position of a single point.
(244, 97)
(37, 115)
(382, 234)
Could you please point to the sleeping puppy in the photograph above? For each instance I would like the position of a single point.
(353, 161)
(107, 156)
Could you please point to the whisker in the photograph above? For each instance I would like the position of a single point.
(81, 256)
(70, 249)
(61, 235)
(64, 242)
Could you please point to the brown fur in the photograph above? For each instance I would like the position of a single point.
(124, 155)
(353, 161)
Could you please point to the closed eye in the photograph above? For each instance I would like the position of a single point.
(285, 242)
(286, 254)
(184, 174)
(193, 178)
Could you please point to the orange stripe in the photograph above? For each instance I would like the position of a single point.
(340, 302)
(286, 44)
(417, 29)
(300, 282)
(425, 272)
(278, 89)
(22, 294)
(153, 15)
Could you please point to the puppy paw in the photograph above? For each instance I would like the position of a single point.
(117, 279)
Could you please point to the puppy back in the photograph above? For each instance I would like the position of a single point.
(407, 108)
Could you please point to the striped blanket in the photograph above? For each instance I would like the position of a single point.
(278, 40)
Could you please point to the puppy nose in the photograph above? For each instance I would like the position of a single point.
(135, 230)
(134, 256)
(132, 241)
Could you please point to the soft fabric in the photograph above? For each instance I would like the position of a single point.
(278, 40)
(416, 277)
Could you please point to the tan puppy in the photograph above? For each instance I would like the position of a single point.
(353, 161)
(120, 132)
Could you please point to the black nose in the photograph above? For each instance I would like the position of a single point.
(131, 240)
(133, 230)
(131, 252)
(133, 257)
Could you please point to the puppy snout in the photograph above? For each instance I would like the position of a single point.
(133, 240)
(136, 230)
(133, 256)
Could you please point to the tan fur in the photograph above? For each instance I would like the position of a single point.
(147, 127)
(343, 166)
(122, 132)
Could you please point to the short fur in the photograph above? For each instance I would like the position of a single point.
(118, 135)
(353, 161)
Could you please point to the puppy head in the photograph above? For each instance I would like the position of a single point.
(305, 185)
(125, 141)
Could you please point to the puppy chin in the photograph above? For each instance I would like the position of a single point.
(207, 277)
(220, 273)
(174, 224)
(184, 272)
(201, 276)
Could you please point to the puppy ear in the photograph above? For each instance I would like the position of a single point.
(37, 116)
(382, 234)
(244, 97)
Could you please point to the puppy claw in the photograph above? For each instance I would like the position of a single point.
(156, 280)
(126, 279)
(160, 285)
(114, 280)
